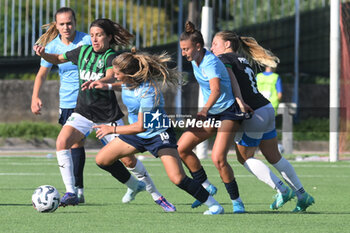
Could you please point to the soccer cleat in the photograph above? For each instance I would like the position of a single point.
(214, 210)
(167, 206)
(211, 190)
(238, 207)
(281, 199)
(69, 199)
(81, 198)
(130, 194)
(303, 203)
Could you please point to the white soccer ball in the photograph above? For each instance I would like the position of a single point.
(45, 199)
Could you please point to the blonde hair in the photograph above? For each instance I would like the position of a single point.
(250, 48)
(50, 34)
(143, 67)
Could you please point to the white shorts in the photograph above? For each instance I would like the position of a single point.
(260, 127)
(84, 126)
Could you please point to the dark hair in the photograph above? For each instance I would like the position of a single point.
(120, 36)
(65, 10)
(192, 34)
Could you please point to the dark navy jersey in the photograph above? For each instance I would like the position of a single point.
(99, 106)
(246, 79)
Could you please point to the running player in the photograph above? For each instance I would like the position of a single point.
(62, 36)
(96, 107)
(139, 74)
(260, 129)
(220, 105)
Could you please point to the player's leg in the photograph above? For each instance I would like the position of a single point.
(66, 138)
(108, 159)
(174, 169)
(269, 148)
(187, 142)
(136, 167)
(223, 141)
(78, 156)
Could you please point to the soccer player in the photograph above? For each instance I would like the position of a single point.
(220, 105)
(61, 37)
(260, 129)
(96, 107)
(140, 75)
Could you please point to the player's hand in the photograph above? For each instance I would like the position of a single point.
(94, 84)
(39, 50)
(244, 107)
(36, 106)
(103, 130)
(202, 115)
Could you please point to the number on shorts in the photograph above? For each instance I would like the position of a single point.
(250, 73)
(164, 136)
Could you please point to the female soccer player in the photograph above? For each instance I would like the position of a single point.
(139, 74)
(220, 104)
(62, 36)
(97, 107)
(260, 129)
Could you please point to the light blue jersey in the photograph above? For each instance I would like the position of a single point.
(68, 72)
(212, 67)
(142, 99)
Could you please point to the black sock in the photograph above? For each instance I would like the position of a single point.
(118, 171)
(199, 175)
(78, 157)
(194, 188)
(232, 189)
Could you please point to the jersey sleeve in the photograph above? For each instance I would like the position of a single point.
(279, 85)
(109, 61)
(212, 69)
(48, 49)
(73, 55)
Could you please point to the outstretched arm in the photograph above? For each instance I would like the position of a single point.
(52, 58)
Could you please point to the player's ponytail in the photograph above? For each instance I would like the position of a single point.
(191, 33)
(50, 34)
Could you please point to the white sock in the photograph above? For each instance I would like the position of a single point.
(141, 174)
(288, 173)
(211, 201)
(132, 183)
(263, 173)
(65, 162)
(206, 183)
(80, 191)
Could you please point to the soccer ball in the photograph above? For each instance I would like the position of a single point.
(46, 199)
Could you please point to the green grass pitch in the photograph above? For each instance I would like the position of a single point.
(103, 211)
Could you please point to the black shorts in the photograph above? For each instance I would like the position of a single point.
(166, 139)
(64, 115)
(233, 113)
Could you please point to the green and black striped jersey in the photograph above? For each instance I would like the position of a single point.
(96, 105)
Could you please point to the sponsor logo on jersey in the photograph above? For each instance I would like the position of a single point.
(243, 60)
(90, 76)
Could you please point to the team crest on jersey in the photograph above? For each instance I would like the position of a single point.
(100, 64)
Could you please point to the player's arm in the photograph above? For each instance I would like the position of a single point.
(214, 85)
(134, 128)
(50, 57)
(105, 83)
(237, 92)
(39, 80)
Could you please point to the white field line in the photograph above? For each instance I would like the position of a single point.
(157, 164)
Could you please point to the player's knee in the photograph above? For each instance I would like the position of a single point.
(219, 162)
(61, 144)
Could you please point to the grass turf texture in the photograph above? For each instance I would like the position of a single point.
(104, 211)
